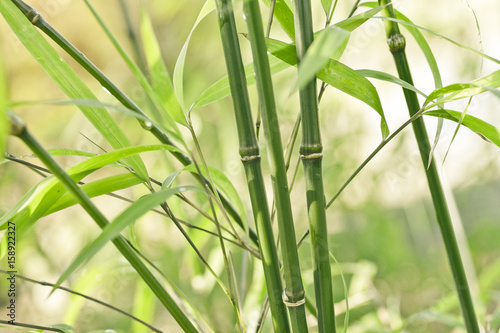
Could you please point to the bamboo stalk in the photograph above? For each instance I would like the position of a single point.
(294, 290)
(38, 20)
(250, 156)
(19, 129)
(311, 154)
(397, 45)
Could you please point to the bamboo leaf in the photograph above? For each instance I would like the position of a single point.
(480, 127)
(172, 129)
(463, 90)
(45, 194)
(224, 185)
(319, 53)
(389, 78)
(144, 307)
(68, 81)
(69, 152)
(284, 15)
(112, 230)
(160, 77)
(64, 328)
(207, 8)
(351, 23)
(220, 89)
(96, 188)
(337, 75)
(167, 183)
(327, 4)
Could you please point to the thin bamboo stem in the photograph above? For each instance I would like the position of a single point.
(397, 44)
(294, 290)
(37, 20)
(250, 156)
(311, 155)
(18, 128)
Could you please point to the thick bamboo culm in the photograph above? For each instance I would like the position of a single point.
(250, 156)
(311, 155)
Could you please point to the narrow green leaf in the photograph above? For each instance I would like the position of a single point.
(480, 127)
(284, 15)
(389, 78)
(68, 81)
(112, 230)
(144, 307)
(220, 89)
(426, 49)
(207, 8)
(160, 76)
(351, 23)
(224, 185)
(327, 4)
(172, 128)
(319, 53)
(42, 197)
(97, 188)
(338, 76)
(65, 328)
(167, 183)
(463, 90)
(69, 152)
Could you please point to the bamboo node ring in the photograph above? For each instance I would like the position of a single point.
(290, 304)
(311, 156)
(250, 158)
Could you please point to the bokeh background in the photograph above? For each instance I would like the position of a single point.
(383, 230)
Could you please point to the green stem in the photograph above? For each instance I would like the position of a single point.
(294, 290)
(397, 44)
(38, 20)
(18, 128)
(311, 154)
(250, 156)
(35, 327)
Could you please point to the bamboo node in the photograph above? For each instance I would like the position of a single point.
(311, 156)
(17, 125)
(35, 19)
(33, 16)
(250, 158)
(396, 42)
(290, 304)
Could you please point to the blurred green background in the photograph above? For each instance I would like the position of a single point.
(383, 228)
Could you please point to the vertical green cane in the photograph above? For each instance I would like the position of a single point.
(311, 155)
(397, 44)
(250, 156)
(294, 290)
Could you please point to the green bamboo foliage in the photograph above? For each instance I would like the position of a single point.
(19, 129)
(294, 290)
(397, 45)
(36, 19)
(311, 155)
(250, 156)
